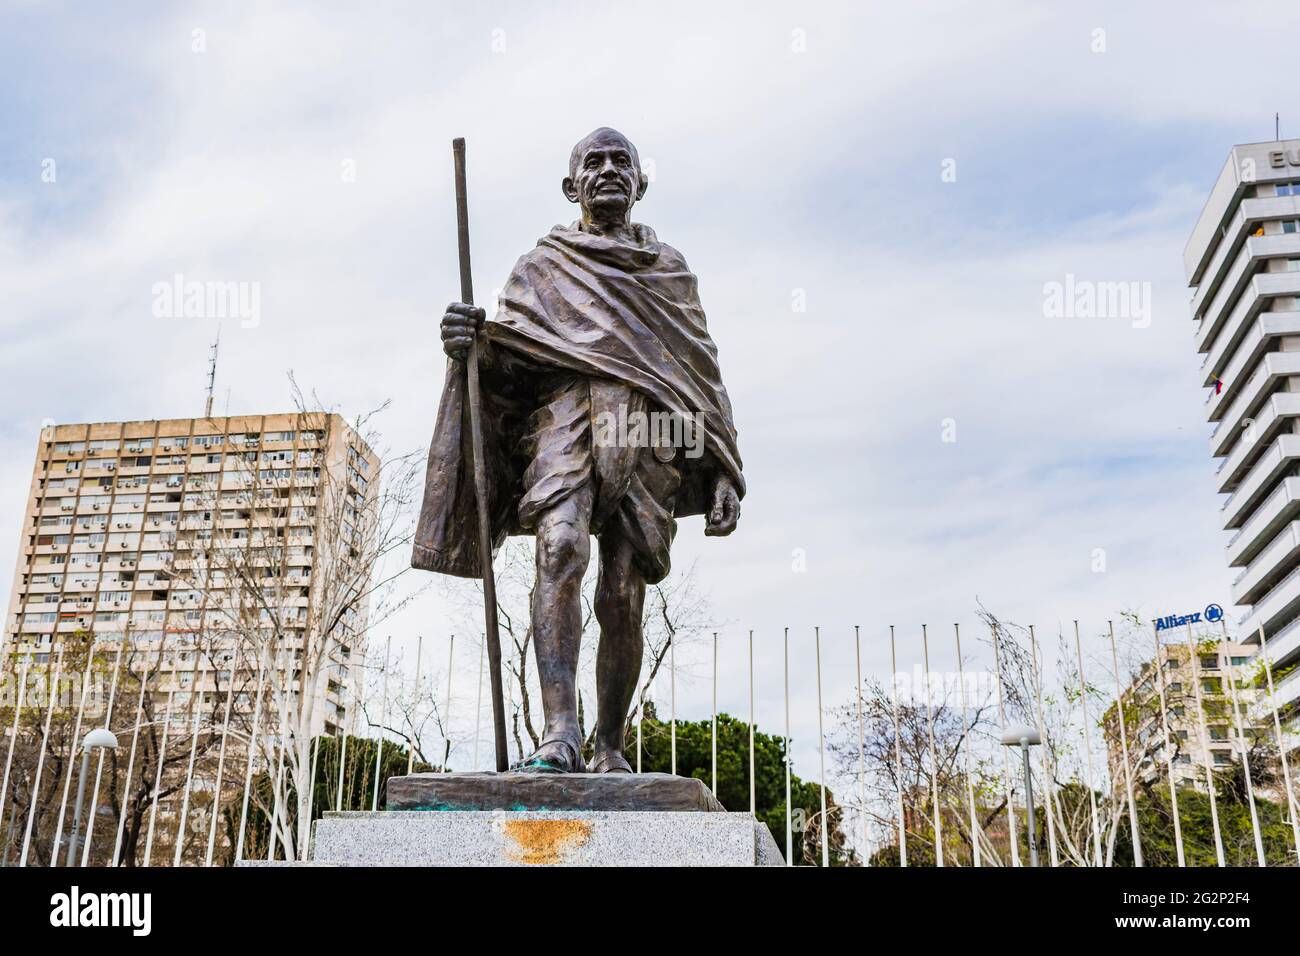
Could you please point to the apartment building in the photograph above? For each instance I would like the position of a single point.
(1220, 668)
(126, 524)
(1243, 265)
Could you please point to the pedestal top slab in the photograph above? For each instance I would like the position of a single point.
(561, 791)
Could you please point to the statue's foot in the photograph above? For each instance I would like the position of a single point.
(556, 754)
(610, 761)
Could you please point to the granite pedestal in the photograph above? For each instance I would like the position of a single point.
(513, 819)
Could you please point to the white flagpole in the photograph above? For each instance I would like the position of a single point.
(821, 753)
(157, 783)
(1245, 750)
(1169, 752)
(1205, 746)
(1006, 756)
(753, 792)
(1281, 748)
(1123, 743)
(145, 676)
(72, 754)
(189, 779)
(1087, 746)
(714, 736)
(898, 748)
(1049, 788)
(640, 716)
(276, 786)
(360, 710)
(343, 750)
(221, 767)
(40, 760)
(934, 761)
(99, 768)
(383, 717)
(478, 707)
(446, 710)
(789, 814)
(672, 702)
(862, 759)
(13, 735)
(975, 830)
(252, 753)
(410, 751)
(311, 796)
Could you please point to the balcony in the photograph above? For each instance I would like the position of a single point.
(1260, 339)
(1280, 456)
(1286, 693)
(1275, 415)
(1255, 294)
(1206, 268)
(1279, 508)
(1263, 382)
(1254, 253)
(1273, 563)
(1276, 609)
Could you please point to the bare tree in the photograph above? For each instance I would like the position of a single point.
(308, 573)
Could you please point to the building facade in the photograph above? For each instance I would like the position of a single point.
(1222, 669)
(1243, 265)
(128, 535)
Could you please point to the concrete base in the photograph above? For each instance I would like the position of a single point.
(542, 838)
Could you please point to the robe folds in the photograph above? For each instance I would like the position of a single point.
(583, 321)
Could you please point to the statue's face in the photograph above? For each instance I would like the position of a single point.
(605, 176)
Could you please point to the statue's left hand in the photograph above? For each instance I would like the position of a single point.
(724, 512)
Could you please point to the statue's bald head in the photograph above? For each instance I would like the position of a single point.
(605, 175)
(602, 135)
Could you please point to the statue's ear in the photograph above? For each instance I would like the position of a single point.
(571, 190)
(645, 184)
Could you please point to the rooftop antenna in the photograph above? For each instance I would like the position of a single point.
(212, 372)
(1277, 127)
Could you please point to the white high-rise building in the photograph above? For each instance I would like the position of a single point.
(1243, 264)
(122, 522)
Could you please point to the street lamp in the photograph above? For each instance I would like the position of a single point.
(98, 739)
(1024, 737)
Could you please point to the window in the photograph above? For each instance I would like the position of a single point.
(1290, 226)
(1288, 189)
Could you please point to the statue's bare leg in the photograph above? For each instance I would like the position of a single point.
(563, 550)
(620, 597)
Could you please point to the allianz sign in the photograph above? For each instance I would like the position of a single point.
(1212, 615)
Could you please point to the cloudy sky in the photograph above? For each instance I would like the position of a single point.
(874, 197)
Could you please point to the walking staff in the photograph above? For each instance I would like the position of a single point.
(492, 635)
